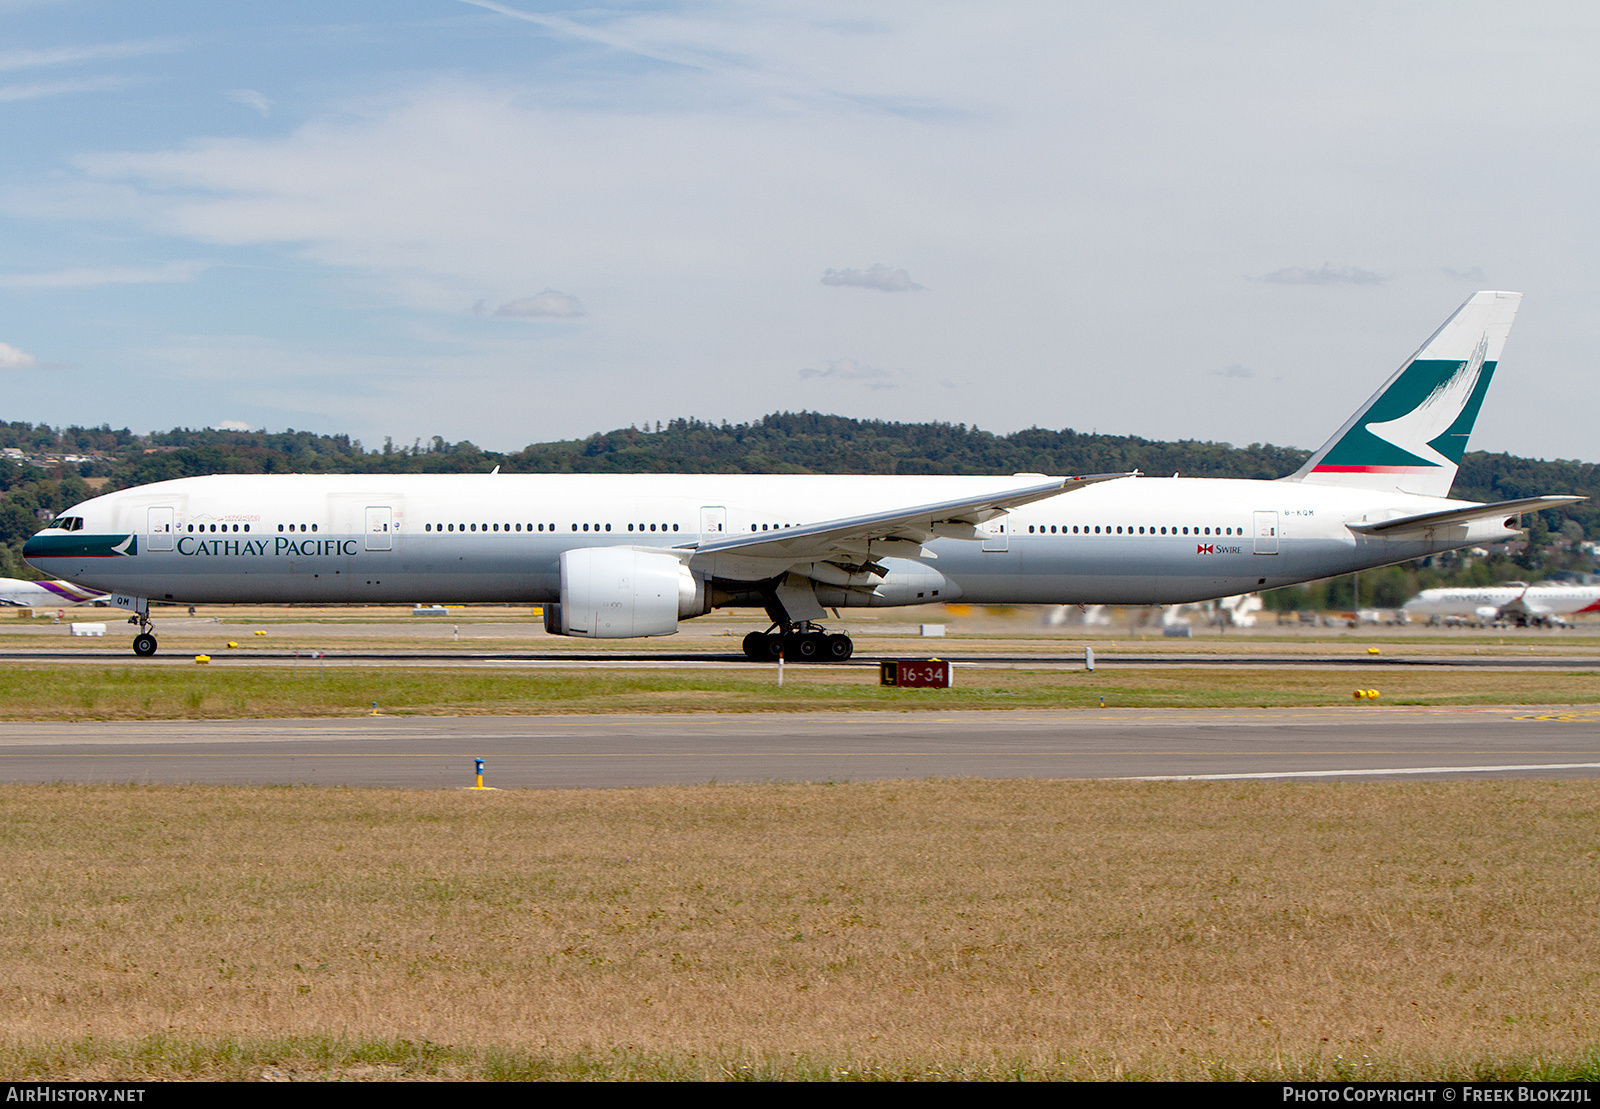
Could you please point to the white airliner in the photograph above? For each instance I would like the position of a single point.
(615, 556)
(1514, 602)
(45, 594)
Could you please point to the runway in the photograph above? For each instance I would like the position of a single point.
(621, 751)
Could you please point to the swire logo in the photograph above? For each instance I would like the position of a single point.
(1202, 548)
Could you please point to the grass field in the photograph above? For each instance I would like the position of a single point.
(958, 929)
(953, 929)
(134, 692)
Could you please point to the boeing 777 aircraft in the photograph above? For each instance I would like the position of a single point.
(615, 556)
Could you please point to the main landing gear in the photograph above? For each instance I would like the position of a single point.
(144, 644)
(802, 642)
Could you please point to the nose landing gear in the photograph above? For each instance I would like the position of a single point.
(144, 644)
(801, 642)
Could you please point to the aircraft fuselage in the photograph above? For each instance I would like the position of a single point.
(499, 538)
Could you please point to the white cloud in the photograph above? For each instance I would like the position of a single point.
(572, 29)
(848, 369)
(69, 55)
(166, 273)
(1070, 176)
(39, 91)
(1327, 275)
(549, 304)
(878, 276)
(250, 98)
(13, 359)
(232, 425)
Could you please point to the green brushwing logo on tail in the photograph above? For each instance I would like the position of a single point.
(1410, 435)
(1420, 421)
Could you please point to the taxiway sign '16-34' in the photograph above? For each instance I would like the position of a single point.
(618, 556)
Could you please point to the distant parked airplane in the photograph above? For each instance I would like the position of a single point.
(45, 594)
(1516, 602)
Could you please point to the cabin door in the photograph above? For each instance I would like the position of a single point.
(713, 523)
(161, 529)
(1267, 533)
(994, 533)
(380, 528)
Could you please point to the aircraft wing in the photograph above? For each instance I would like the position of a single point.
(1461, 515)
(897, 531)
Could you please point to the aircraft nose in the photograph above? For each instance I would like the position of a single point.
(34, 546)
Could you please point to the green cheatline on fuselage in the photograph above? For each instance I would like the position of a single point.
(80, 546)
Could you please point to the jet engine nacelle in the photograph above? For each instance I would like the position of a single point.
(622, 593)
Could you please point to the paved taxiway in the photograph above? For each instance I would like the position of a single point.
(614, 751)
(719, 660)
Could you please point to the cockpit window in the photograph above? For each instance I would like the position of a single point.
(68, 523)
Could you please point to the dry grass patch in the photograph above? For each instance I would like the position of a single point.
(968, 928)
(132, 692)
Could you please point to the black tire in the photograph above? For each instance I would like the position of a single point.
(755, 646)
(144, 645)
(771, 648)
(807, 648)
(838, 647)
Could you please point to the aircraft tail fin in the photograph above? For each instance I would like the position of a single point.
(1411, 434)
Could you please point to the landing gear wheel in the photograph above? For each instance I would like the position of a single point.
(763, 646)
(838, 647)
(144, 644)
(804, 648)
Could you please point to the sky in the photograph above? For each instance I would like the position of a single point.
(515, 222)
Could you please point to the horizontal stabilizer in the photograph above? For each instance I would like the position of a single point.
(1461, 515)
